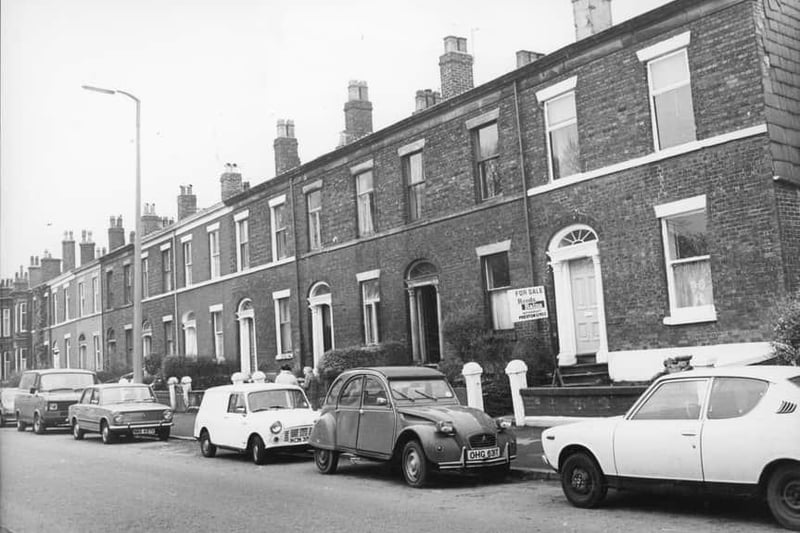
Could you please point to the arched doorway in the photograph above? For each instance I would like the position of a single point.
(319, 303)
(422, 284)
(578, 281)
(248, 358)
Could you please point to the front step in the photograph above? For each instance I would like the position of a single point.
(585, 374)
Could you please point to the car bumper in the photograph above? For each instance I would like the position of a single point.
(463, 464)
(130, 428)
(55, 419)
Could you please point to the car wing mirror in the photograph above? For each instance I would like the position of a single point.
(33, 390)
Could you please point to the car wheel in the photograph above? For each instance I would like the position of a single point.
(257, 451)
(163, 433)
(77, 432)
(582, 480)
(326, 460)
(206, 447)
(38, 425)
(20, 424)
(783, 496)
(106, 434)
(416, 468)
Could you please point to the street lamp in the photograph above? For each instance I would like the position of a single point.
(137, 243)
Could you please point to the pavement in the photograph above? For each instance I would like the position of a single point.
(528, 464)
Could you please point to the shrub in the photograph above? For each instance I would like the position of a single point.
(152, 364)
(467, 333)
(11, 381)
(497, 396)
(786, 342)
(538, 358)
(336, 361)
(452, 367)
(205, 371)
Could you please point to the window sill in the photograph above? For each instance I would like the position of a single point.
(691, 316)
(284, 356)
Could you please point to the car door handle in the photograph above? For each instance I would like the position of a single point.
(689, 433)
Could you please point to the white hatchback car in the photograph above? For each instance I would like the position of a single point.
(257, 418)
(734, 429)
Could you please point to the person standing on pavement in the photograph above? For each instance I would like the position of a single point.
(286, 377)
(313, 386)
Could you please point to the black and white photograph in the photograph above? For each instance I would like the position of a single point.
(373, 266)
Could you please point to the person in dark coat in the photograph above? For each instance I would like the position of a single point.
(313, 386)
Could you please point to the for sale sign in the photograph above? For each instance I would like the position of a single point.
(527, 304)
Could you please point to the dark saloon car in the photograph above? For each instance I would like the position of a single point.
(410, 416)
(129, 409)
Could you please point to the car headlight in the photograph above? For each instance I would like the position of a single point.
(276, 427)
(502, 423)
(52, 407)
(446, 427)
(167, 414)
(117, 418)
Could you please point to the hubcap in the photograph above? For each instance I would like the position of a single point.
(580, 480)
(791, 495)
(412, 464)
(323, 458)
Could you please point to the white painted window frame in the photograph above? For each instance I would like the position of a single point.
(546, 97)
(279, 297)
(682, 315)
(274, 205)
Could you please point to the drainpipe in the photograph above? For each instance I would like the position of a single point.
(297, 279)
(524, 182)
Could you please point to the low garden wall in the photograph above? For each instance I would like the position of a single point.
(579, 401)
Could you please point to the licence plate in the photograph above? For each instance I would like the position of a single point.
(148, 431)
(483, 453)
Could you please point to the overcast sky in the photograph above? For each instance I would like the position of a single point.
(214, 76)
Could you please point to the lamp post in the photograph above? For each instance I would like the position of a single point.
(137, 242)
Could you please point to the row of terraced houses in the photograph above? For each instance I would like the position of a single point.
(647, 176)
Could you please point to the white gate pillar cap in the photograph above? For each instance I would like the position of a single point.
(238, 377)
(172, 381)
(472, 369)
(259, 377)
(516, 367)
(186, 380)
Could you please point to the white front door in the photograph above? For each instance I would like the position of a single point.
(584, 306)
(322, 331)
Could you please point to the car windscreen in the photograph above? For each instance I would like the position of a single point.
(126, 394)
(66, 381)
(421, 390)
(276, 399)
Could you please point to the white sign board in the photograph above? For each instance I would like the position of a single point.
(527, 304)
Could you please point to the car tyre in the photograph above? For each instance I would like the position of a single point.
(106, 434)
(38, 424)
(416, 468)
(326, 460)
(163, 433)
(258, 451)
(206, 447)
(77, 432)
(20, 424)
(583, 482)
(783, 496)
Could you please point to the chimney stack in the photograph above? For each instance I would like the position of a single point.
(231, 181)
(87, 247)
(285, 145)
(35, 271)
(357, 113)
(526, 56)
(150, 220)
(591, 16)
(68, 251)
(187, 202)
(426, 99)
(455, 66)
(51, 267)
(116, 233)
(21, 280)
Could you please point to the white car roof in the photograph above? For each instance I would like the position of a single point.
(252, 387)
(765, 372)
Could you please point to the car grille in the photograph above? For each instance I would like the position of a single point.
(142, 416)
(483, 440)
(299, 434)
(63, 406)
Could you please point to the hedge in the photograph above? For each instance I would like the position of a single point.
(336, 361)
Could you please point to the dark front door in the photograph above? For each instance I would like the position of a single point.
(429, 323)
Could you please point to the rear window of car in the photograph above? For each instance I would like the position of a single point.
(735, 397)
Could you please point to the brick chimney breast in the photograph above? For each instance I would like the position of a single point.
(116, 233)
(51, 267)
(357, 112)
(425, 99)
(68, 251)
(187, 202)
(526, 56)
(455, 66)
(286, 157)
(230, 181)
(87, 247)
(591, 16)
